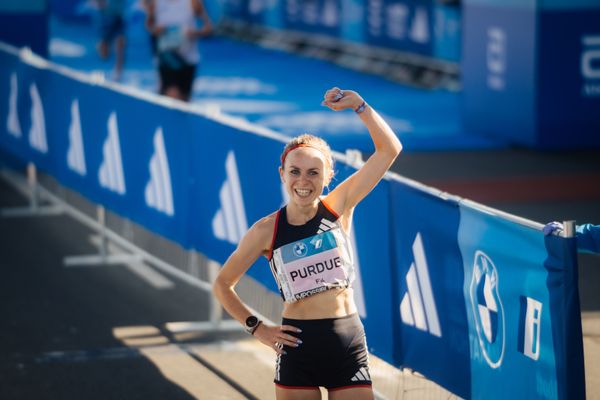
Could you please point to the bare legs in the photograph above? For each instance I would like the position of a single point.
(359, 393)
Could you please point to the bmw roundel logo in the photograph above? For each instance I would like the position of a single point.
(488, 311)
(300, 249)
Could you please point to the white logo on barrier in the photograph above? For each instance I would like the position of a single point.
(230, 221)
(590, 65)
(531, 336)
(309, 11)
(330, 14)
(110, 174)
(256, 6)
(418, 304)
(37, 132)
(374, 16)
(496, 58)
(12, 122)
(488, 311)
(397, 20)
(159, 193)
(76, 154)
(419, 31)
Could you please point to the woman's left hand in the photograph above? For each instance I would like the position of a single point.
(338, 99)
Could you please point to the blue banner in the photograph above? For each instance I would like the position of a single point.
(314, 16)
(92, 140)
(431, 322)
(498, 67)
(405, 25)
(515, 308)
(538, 63)
(25, 23)
(224, 174)
(569, 70)
(373, 288)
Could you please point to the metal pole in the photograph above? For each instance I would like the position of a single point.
(32, 184)
(569, 229)
(101, 214)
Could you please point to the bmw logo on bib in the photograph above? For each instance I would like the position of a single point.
(488, 311)
(300, 249)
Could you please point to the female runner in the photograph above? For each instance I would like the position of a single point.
(321, 340)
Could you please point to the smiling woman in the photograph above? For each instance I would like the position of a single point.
(321, 341)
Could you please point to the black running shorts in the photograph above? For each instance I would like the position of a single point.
(333, 354)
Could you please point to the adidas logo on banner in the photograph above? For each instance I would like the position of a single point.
(110, 174)
(418, 305)
(75, 154)
(12, 122)
(419, 31)
(159, 193)
(230, 221)
(37, 133)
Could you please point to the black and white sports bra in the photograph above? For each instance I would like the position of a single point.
(311, 258)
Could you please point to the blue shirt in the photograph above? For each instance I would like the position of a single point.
(588, 238)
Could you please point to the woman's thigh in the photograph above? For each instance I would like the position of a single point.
(359, 393)
(297, 394)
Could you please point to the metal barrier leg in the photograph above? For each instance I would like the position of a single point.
(30, 189)
(103, 257)
(113, 248)
(215, 322)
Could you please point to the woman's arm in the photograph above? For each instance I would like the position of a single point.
(200, 12)
(151, 26)
(254, 244)
(387, 147)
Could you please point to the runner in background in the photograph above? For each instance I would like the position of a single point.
(174, 23)
(112, 29)
(321, 341)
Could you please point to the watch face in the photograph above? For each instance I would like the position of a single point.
(251, 321)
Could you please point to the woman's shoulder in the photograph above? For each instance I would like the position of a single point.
(262, 231)
(265, 225)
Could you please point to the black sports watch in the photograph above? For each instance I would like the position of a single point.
(252, 322)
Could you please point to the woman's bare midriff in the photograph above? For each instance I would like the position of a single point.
(333, 303)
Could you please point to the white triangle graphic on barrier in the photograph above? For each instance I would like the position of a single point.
(419, 31)
(37, 132)
(76, 154)
(111, 174)
(418, 305)
(12, 122)
(159, 193)
(329, 14)
(229, 223)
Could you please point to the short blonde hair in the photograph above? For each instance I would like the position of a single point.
(308, 140)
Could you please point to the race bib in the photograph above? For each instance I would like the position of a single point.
(313, 265)
(171, 39)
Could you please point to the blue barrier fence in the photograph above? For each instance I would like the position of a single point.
(476, 301)
(425, 27)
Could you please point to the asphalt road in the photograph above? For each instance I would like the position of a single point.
(67, 331)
